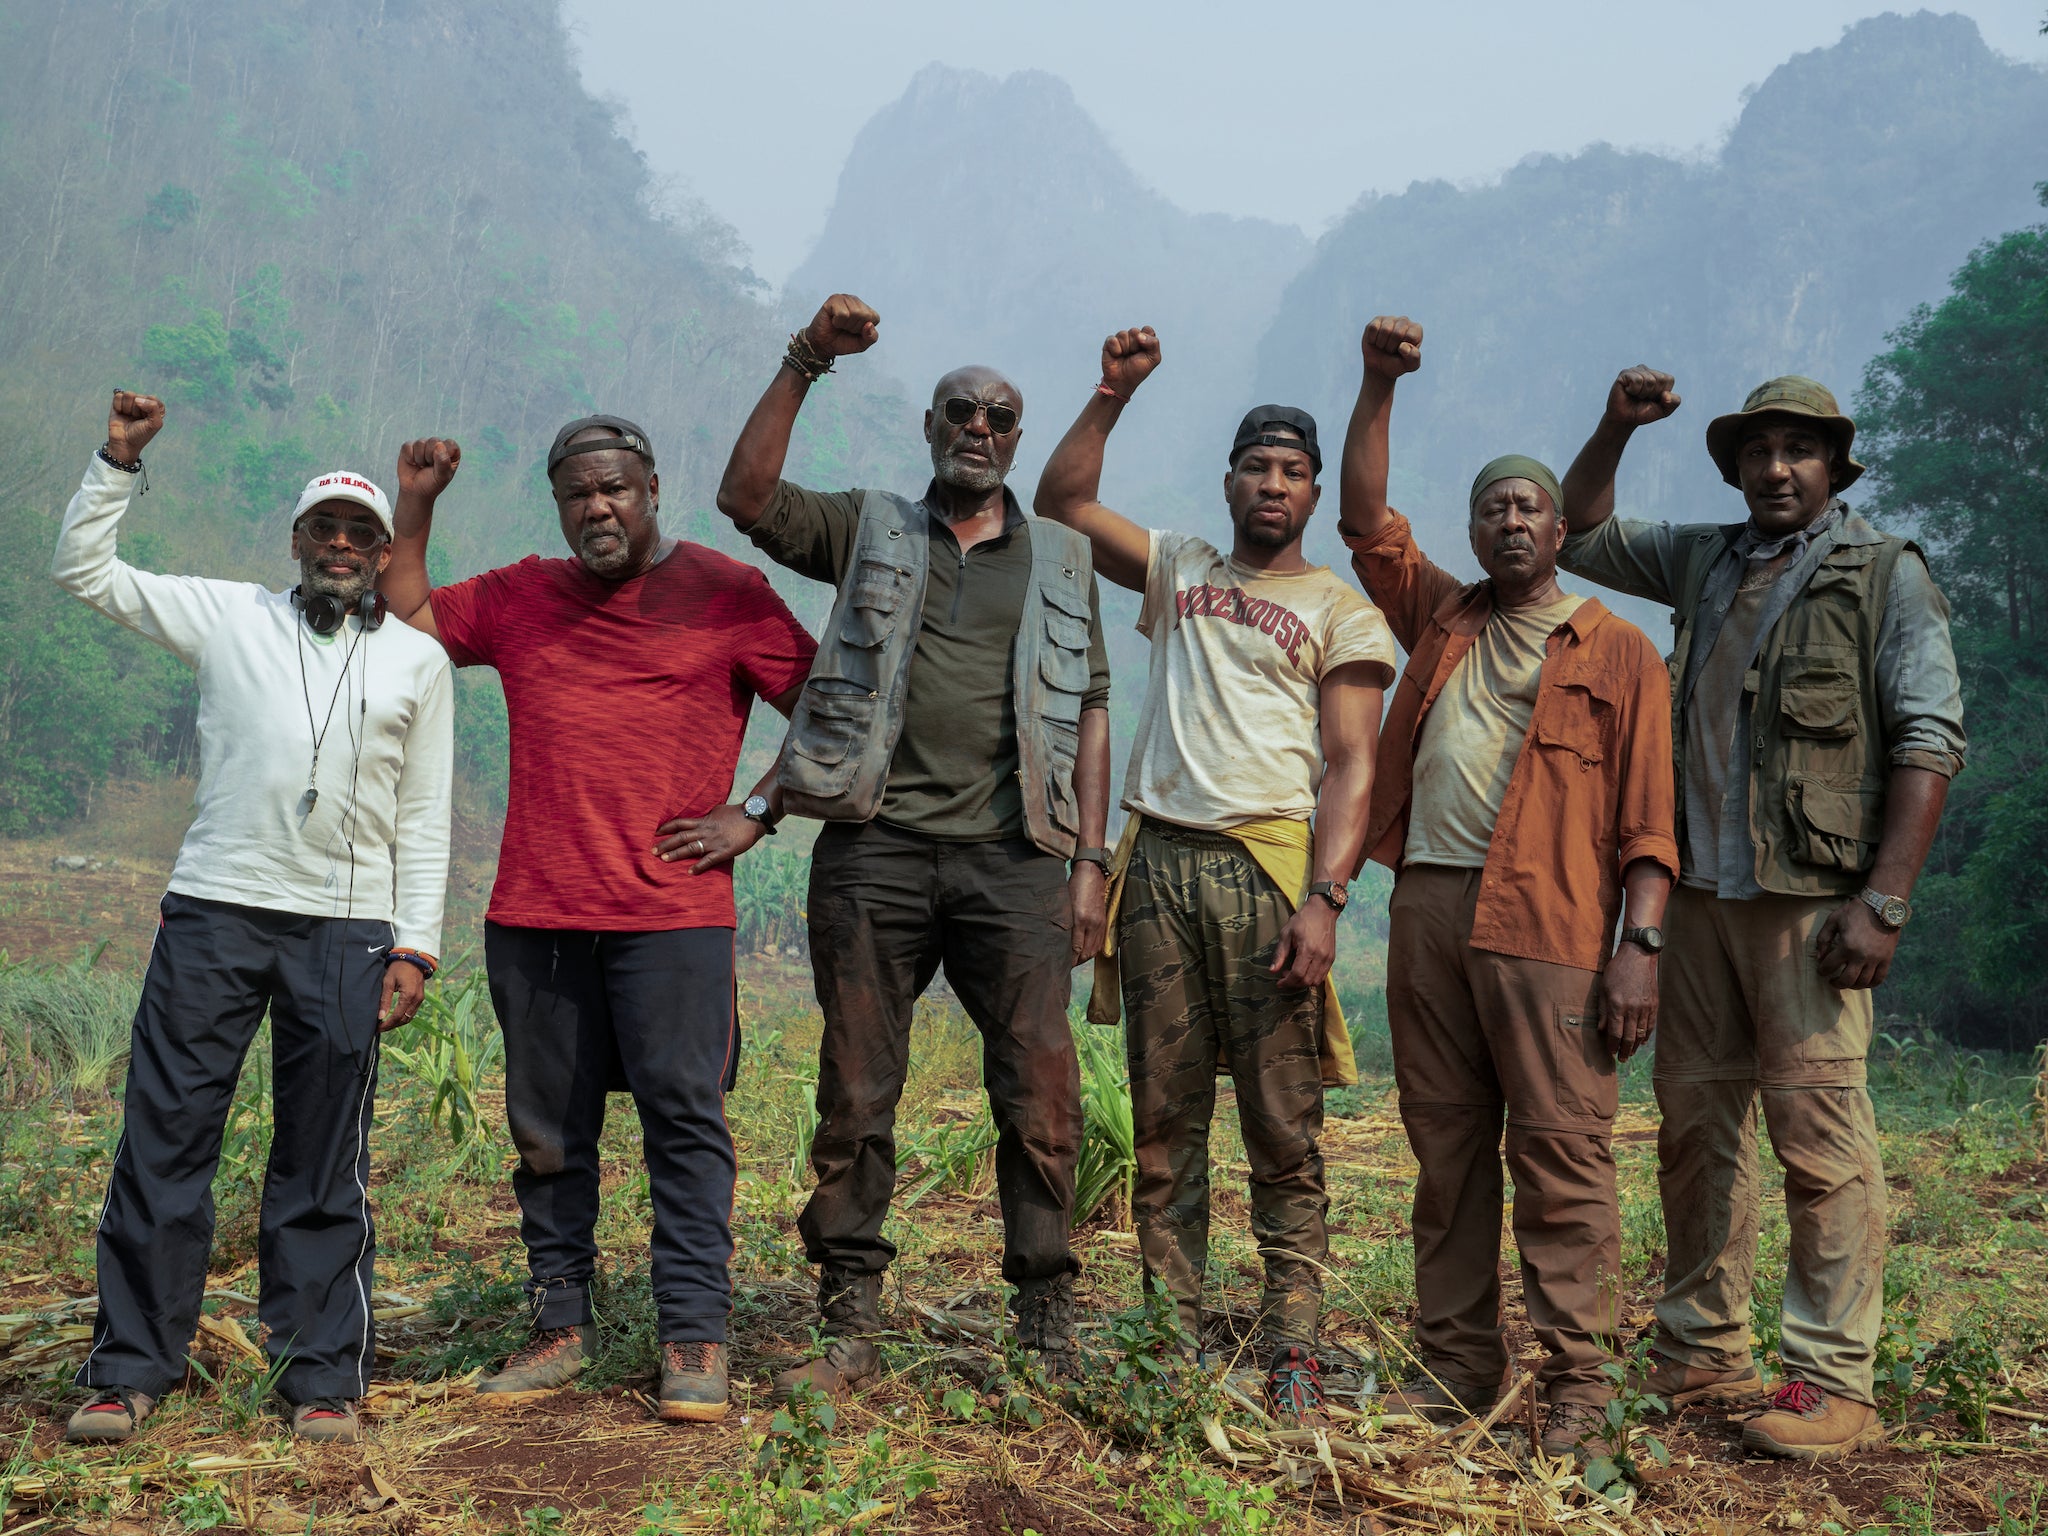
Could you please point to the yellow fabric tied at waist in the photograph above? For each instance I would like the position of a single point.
(1281, 848)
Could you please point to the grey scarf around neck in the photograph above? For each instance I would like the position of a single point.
(1753, 546)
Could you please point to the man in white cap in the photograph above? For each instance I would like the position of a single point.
(309, 886)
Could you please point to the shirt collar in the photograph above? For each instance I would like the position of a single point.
(1013, 512)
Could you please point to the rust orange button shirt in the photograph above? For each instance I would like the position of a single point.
(1592, 788)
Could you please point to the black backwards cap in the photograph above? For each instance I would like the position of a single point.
(624, 435)
(1297, 424)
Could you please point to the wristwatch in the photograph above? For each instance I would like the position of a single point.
(1331, 891)
(1649, 939)
(1892, 911)
(755, 809)
(1096, 856)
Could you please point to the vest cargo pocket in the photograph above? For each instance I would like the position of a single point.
(1818, 703)
(878, 590)
(1063, 663)
(1064, 742)
(826, 744)
(1834, 828)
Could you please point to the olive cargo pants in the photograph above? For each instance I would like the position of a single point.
(1745, 1016)
(1481, 1040)
(1198, 926)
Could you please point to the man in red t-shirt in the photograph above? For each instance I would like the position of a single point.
(628, 671)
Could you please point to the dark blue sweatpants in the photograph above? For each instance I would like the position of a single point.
(213, 971)
(652, 1012)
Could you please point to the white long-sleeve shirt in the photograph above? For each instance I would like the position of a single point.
(386, 761)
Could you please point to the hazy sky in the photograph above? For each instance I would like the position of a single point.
(1286, 112)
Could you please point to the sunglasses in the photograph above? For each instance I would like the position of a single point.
(1002, 419)
(321, 529)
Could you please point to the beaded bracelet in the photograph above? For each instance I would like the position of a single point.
(805, 360)
(424, 963)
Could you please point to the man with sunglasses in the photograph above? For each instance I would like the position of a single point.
(1261, 712)
(629, 672)
(310, 885)
(954, 735)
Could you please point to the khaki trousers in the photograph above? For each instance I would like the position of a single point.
(1745, 1015)
(1481, 1039)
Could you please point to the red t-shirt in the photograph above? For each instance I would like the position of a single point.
(627, 701)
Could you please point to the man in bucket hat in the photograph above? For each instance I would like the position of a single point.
(1819, 648)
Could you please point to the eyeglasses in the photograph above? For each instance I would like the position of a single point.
(1002, 419)
(321, 529)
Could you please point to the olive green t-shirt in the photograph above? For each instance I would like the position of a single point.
(954, 775)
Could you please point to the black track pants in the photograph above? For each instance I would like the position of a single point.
(213, 971)
(580, 1011)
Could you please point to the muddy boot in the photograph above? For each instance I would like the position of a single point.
(554, 1358)
(1678, 1384)
(109, 1416)
(327, 1418)
(1440, 1400)
(1574, 1430)
(695, 1382)
(1808, 1424)
(1045, 1325)
(850, 1309)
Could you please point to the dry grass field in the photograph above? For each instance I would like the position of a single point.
(959, 1437)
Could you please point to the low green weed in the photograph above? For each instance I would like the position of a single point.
(1622, 1436)
(1146, 1388)
(1189, 1499)
(797, 1485)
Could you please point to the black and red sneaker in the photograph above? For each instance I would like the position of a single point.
(1294, 1383)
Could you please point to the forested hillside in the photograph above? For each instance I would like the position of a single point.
(320, 230)
(1855, 180)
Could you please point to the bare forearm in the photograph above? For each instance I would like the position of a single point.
(1362, 505)
(1073, 475)
(1091, 778)
(755, 467)
(1646, 887)
(1343, 806)
(405, 583)
(1588, 485)
(1914, 798)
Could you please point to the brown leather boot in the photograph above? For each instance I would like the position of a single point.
(1573, 1429)
(1678, 1384)
(1440, 1400)
(696, 1382)
(1808, 1424)
(850, 1309)
(1045, 1325)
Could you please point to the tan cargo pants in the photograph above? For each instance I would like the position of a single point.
(1480, 1040)
(1745, 1015)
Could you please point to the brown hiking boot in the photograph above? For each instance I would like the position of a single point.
(1045, 1325)
(327, 1418)
(550, 1361)
(109, 1416)
(1572, 1429)
(850, 1309)
(1439, 1400)
(1679, 1384)
(695, 1382)
(1807, 1424)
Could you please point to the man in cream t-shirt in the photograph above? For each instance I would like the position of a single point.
(1261, 711)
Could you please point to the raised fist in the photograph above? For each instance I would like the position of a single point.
(1392, 345)
(1129, 357)
(1640, 396)
(842, 326)
(426, 465)
(131, 423)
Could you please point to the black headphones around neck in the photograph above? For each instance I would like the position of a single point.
(325, 614)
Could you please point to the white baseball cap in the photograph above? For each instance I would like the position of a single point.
(341, 485)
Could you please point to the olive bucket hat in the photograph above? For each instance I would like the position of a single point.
(1787, 396)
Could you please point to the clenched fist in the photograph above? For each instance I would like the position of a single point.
(1129, 357)
(426, 465)
(1640, 396)
(1392, 345)
(131, 423)
(843, 325)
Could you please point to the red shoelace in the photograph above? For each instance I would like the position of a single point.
(1801, 1397)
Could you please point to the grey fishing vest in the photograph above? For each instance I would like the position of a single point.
(843, 732)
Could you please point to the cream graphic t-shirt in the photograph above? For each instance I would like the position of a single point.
(1229, 732)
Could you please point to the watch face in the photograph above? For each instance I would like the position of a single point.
(1895, 912)
(756, 805)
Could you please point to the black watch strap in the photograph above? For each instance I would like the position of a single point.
(1098, 856)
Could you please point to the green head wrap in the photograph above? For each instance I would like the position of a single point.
(1517, 466)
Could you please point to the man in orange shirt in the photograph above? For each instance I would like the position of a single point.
(1523, 796)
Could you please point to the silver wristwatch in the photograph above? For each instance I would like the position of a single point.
(1892, 911)
(755, 809)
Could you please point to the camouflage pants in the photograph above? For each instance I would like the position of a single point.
(1198, 926)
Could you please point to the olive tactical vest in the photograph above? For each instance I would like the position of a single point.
(1817, 756)
(843, 732)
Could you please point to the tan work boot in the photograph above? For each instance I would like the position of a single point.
(554, 1358)
(850, 1309)
(1679, 1384)
(327, 1418)
(1572, 1429)
(1808, 1424)
(1440, 1401)
(110, 1415)
(695, 1382)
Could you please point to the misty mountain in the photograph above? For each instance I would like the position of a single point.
(1856, 179)
(992, 221)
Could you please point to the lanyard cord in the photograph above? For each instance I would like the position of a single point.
(319, 735)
